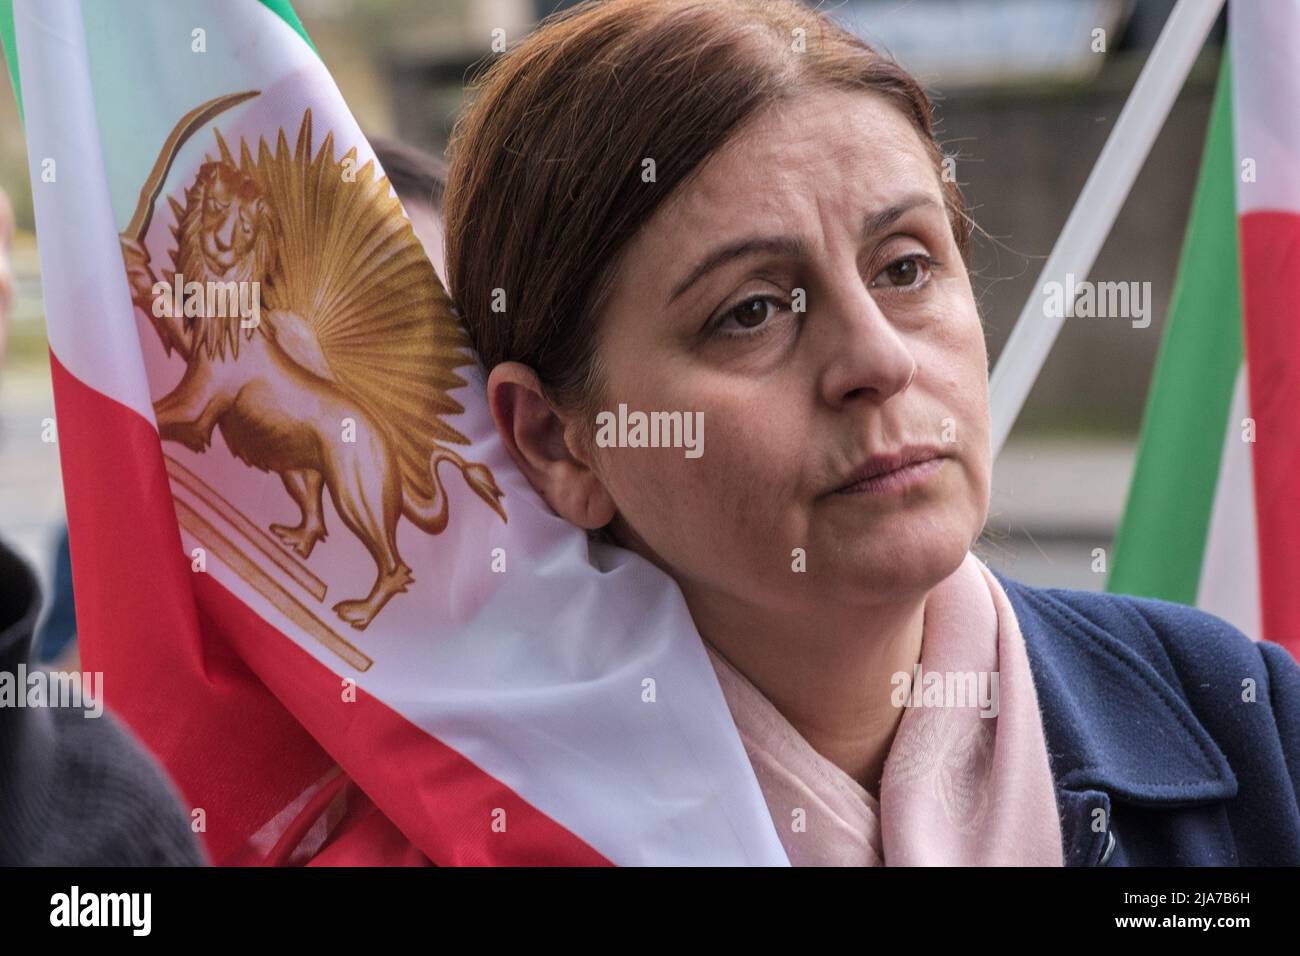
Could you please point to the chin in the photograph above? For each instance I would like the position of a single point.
(912, 553)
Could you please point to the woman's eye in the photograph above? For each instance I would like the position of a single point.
(750, 314)
(909, 271)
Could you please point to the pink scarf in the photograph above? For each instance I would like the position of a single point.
(958, 788)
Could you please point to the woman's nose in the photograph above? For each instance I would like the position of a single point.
(865, 355)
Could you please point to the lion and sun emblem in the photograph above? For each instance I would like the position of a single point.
(355, 327)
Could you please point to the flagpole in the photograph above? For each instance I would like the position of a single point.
(1097, 207)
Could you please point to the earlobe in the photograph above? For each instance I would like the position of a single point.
(534, 433)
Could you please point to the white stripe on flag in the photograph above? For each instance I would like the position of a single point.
(90, 322)
(1229, 586)
(1265, 39)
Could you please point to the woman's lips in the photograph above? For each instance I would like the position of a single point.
(900, 479)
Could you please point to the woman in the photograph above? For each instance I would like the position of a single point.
(735, 211)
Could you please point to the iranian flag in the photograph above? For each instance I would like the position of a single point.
(303, 561)
(1213, 515)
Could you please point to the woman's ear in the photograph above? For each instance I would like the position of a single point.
(541, 444)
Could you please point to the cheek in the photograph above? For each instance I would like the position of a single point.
(749, 465)
(695, 512)
(972, 387)
(960, 383)
(958, 361)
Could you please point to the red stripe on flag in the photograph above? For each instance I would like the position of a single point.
(444, 803)
(1270, 269)
(214, 690)
(368, 838)
(227, 743)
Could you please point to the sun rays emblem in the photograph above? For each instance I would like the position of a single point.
(342, 382)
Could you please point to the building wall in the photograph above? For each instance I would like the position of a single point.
(1023, 159)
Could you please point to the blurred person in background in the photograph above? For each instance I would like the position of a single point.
(56, 636)
(76, 788)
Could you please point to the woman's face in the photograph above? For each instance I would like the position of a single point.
(847, 213)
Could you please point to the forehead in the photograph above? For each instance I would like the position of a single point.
(830, 154)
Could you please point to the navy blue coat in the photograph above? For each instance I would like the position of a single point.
(1144, 717)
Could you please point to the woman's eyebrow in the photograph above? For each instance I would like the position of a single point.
(872, 224)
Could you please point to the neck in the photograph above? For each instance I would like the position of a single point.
(829, 673)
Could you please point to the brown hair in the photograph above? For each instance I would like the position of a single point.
(544, 185)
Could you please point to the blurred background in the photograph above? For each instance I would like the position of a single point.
(1025, 104)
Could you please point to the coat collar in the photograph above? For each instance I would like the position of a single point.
(1116, 728)
(1087, 679)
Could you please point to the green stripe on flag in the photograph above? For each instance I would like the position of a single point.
(10, 45)
(1160, 546)
(285, 9)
